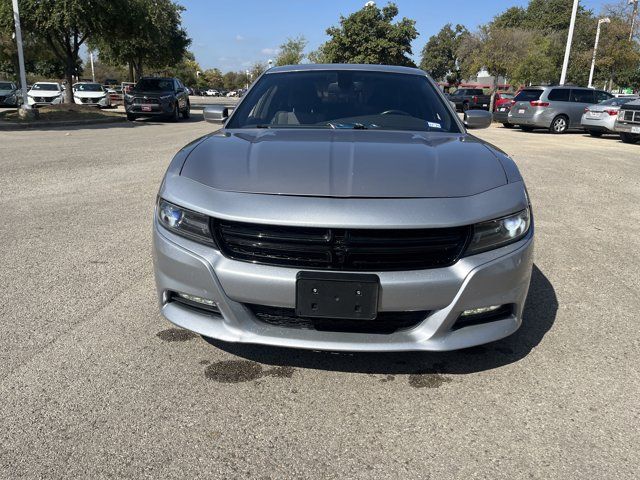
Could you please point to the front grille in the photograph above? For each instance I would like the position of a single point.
(632, 116)
(341, 249)
(146, 101)
(385, 322)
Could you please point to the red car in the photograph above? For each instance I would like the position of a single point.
(503, 98)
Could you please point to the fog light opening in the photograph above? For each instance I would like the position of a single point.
(195, 302)
(196, 299)
(480, 310)
(480, 315)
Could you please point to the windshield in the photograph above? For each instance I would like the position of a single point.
(154, 85)
(45, 86)
(616, 102)
(528, 95)
(6, 86)
(88, 87)
(344, 99)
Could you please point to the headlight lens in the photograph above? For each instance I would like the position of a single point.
(621, 115)
(499, 232)
(187, 223)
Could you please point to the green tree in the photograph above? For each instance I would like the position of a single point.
(153, 37)
(213, 79)
(256, 70)
(64, 26)
(370, 36)
(291, 52)
(440, 53)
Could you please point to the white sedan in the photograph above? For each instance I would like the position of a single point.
(88, 93)
(212, 93)
(601, 118)
(45, 93)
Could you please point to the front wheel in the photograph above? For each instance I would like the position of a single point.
(187, 111)
(629, 137)
(175, 116)
(559, 125)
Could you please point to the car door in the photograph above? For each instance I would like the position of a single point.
(580, 99)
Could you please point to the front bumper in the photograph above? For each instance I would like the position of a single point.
(625, 127)
(496, 277)
(93, 102)
(163, 108)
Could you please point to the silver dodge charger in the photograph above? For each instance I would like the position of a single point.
(344, 208)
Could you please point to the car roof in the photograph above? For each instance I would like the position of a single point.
(558, 86)
(346, 66)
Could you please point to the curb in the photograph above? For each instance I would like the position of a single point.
(4, 125)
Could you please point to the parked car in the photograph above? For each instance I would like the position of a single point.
(322, 218)
(503, 98)
(212, 93)
(556, 108)
(10, 95)
(89, 93)
(628, 122)
(232, 93)
(45, 93)
(470, 98)
(502, 108)
(158, 96)
(601, 117)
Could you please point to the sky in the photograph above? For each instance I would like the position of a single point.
(233, 35)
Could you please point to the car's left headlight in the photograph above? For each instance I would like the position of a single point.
(187, 223)
(499, 232)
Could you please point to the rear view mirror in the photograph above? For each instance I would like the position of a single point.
(215, 113)
(477, 119)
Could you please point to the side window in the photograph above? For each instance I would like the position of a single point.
(602, 96)
(559, 95)
(580, 95)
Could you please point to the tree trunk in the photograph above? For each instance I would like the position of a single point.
(131, 79)
(68, 75)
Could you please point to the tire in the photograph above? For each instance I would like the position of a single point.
(131, 117)
(187, 112)
(526, 129)
(175, 116)
(507, 125)
(559, 125)
(593, 133)
(629, 137)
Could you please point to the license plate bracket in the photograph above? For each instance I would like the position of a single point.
(346, 296)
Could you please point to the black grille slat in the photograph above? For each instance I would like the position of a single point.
(341, 249)
(385, 322)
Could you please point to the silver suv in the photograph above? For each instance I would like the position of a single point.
(558, 108)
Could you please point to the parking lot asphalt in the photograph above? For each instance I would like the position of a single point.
(95, 384)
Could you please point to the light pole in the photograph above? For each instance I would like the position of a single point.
(595, 49)
(93, 72)
(634, 14)
(567, 51)
(23, 75)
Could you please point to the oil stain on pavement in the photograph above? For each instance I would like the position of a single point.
(427, 379)
(175, 335)
(238, 371)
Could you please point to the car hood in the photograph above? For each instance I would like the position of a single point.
(6, 92)
(43, 93)
(139, 93)
(345, 163)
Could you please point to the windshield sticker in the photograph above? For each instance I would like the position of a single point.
(433, 125)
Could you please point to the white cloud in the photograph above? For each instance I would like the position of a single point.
(239, 38)
(269, 51)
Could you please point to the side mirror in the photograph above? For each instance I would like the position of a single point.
(216, 113)
(477, 119)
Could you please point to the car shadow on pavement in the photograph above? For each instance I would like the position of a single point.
(539, 314)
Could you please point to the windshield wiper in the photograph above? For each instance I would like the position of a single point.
(349, 126)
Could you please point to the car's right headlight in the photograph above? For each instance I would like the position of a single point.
(621, 115)
(187, 223)
(499, 232)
